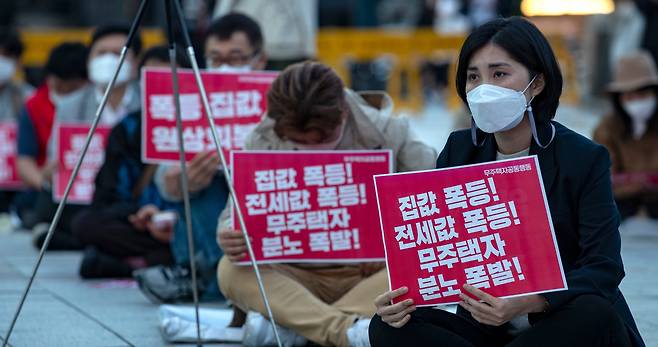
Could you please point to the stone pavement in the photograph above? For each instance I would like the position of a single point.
(63, 310)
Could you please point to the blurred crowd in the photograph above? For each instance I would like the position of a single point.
(117, 232)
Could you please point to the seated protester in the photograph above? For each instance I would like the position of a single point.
(309, 109)
(631, 135)
(65, 75)
(102, 61)
(117, 230)
(233, 43)
(12, 96)
(509, 62)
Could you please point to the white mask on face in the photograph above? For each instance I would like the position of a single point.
(7, 69)
(327, 146)
(102, 67)
(640, 112)
(497, 109)
(67, 99)
(228, 68)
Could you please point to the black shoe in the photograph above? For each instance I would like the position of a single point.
(166, 284)
(98, 265)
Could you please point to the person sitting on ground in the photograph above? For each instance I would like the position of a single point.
(309, 109)
(631, 135)
(509, 62)
(234, 43)
(102, 61)
(118, 229)
(13, 94)
(65, 75)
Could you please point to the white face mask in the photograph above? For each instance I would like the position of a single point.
(640, 112)
(228, 68)
(7, 69)
(327, 146)
(65, 99)
(102, 67)
(497, 109)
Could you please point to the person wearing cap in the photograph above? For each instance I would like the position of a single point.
(630, 133)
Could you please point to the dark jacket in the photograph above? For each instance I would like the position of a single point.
(576, 175)
(121, 172)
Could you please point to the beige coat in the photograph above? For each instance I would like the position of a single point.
(370, 126)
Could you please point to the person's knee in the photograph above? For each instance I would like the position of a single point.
(601, 315)
(380, 332)
(84, 226)
(226, 277)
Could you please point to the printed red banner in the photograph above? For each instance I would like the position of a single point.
(70, 140)
(237, 102)
(487, 225)
(9, 178)
(310, 206)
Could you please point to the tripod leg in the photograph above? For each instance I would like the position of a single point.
(183, 176)
(227, 173)
(92, 130)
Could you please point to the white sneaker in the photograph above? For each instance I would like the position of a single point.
(258, 332)
(357, 334)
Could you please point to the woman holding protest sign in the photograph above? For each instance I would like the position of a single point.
(510, 79)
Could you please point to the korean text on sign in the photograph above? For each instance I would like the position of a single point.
(310, 206)
(70, 142)
(237, 102)
(9, 178)
(487, 225)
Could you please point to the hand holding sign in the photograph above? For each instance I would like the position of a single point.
(398, 314)
(495, 311)
(200, 172)
(233, 244)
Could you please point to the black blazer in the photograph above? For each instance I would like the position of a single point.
(576, 175)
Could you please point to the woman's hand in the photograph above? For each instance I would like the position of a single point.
(495, 311)
(396, 315)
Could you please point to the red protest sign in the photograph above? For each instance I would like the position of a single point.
(70, 140)
(487, 225)
(237, 102)
(9, 178)
(310, 206)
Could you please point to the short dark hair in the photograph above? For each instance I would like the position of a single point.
(114, 29)
(224, 27)
(11, 43)
(67, 61)
(620, 112)
(161, 53)
(306, 97)
(525, 44)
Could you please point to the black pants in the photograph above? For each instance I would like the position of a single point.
(588, 320)
(118, 238)
(44, 212)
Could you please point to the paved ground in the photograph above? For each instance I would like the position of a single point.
(62, 310)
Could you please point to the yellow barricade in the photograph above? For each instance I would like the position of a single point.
(406, 49)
